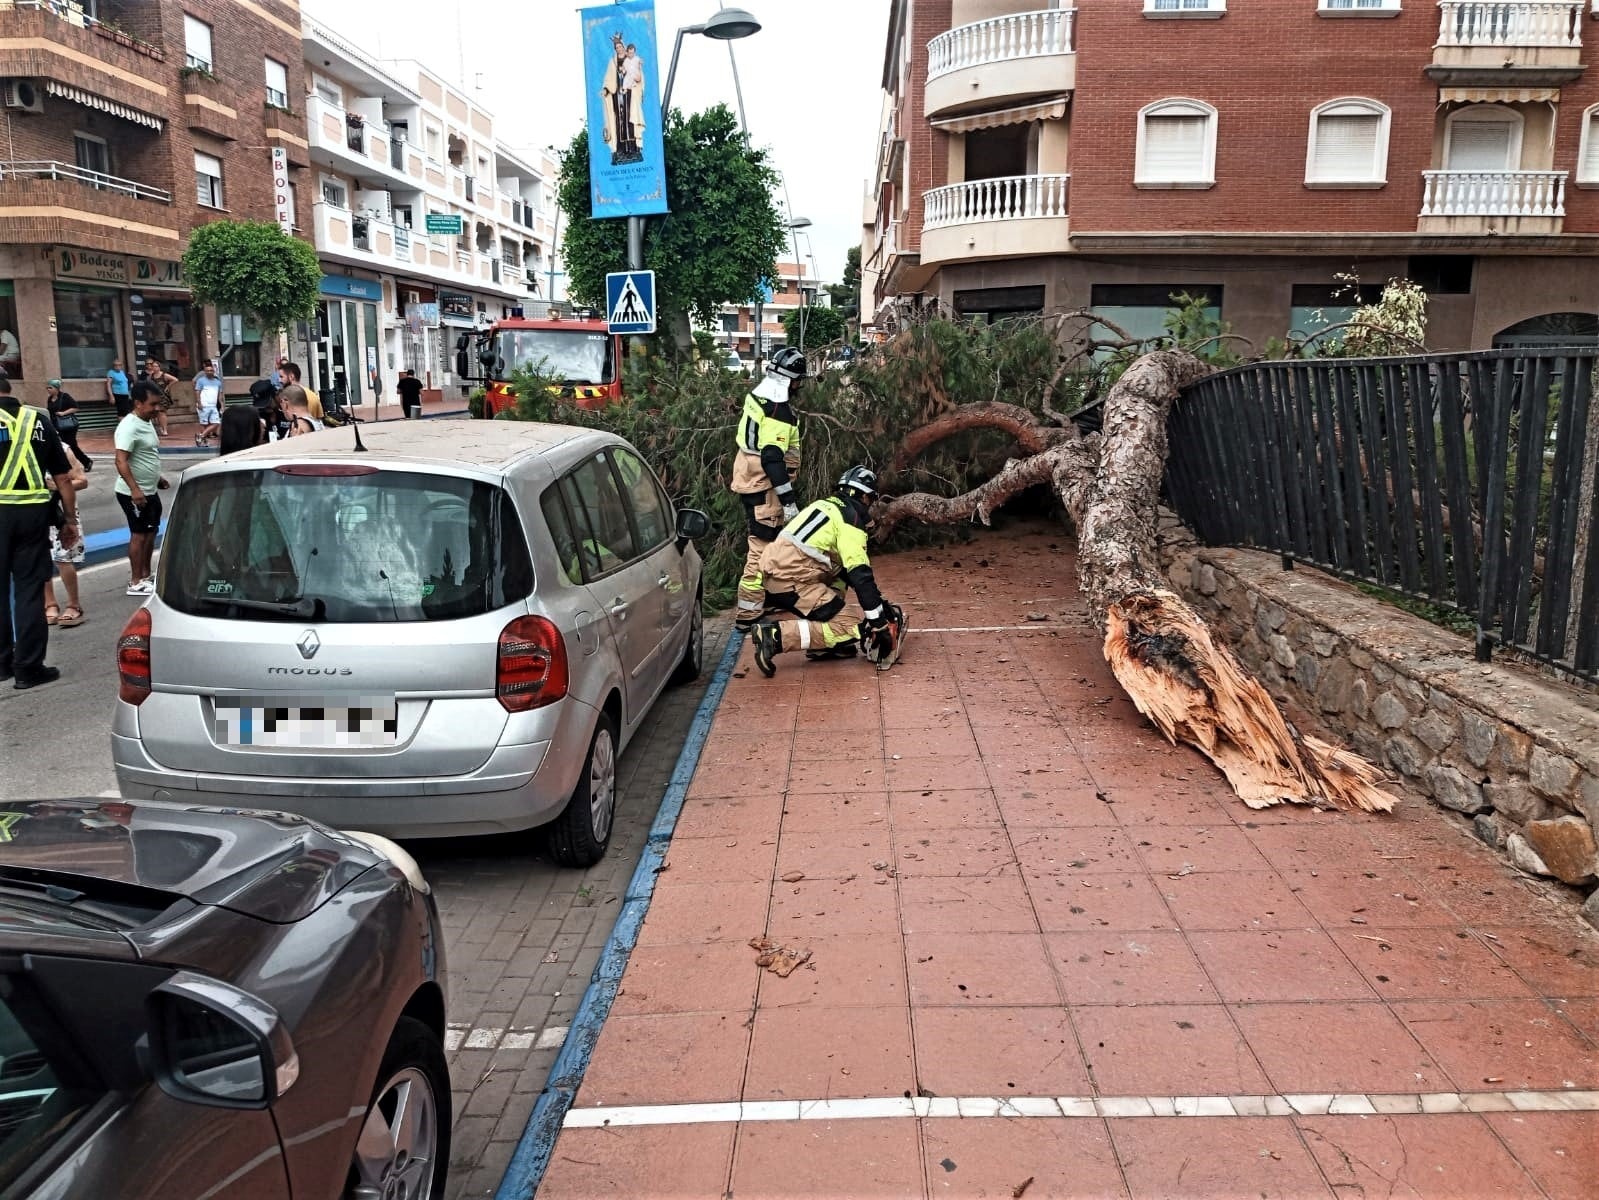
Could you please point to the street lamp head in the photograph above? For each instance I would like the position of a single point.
(730, 24)
(800, 223)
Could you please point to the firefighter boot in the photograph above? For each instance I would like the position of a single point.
(768, 645)
(842, 650)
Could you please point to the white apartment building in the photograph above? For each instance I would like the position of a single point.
(736, 327)
(396, 154)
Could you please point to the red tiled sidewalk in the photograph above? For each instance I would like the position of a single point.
(1011, 887)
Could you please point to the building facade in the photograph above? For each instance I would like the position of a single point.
(737, 327)
(1039, 157)
(426, 224)
(128, 123)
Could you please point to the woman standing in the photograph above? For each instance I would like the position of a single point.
(163, 381)
(64, 412)
(67, 561)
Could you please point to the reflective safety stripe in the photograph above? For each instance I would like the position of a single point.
(805, 635)
(21, 479)
(750, 605)
(808, 551)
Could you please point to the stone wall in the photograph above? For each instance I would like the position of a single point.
(1512, 750)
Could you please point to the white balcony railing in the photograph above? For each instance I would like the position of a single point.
(1014, 197)
(1493, 194)
(49, 169)
(1019, 35)
(1510, 23)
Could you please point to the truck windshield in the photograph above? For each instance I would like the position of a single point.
(570, 355)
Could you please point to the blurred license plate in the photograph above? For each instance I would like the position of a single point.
(369, 721)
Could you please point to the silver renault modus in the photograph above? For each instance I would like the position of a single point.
(453, 628)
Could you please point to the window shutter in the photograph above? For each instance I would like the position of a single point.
(1346, 147)
(1480, 145)
(1588, 169)
(1174, 148)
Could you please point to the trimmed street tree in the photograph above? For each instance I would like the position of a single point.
(847, 293)
(720, 240)
(823, 326)
(254, 268)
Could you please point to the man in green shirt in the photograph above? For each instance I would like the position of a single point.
(138, 479)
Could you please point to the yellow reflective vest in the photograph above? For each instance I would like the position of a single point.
(21, 476)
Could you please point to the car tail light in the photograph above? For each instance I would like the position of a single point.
(531, 671)
(133, 659)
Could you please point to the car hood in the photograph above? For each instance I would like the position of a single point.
(269, 865)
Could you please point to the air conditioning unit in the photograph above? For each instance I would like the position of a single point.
(24, 95)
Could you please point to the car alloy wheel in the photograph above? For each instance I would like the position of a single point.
(602, 783)
(394, 1156)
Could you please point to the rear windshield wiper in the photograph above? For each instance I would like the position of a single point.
(307, 608)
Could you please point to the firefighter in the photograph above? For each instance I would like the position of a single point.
(767, 457)
(807, 568)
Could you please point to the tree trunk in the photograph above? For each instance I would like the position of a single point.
(1190, 685)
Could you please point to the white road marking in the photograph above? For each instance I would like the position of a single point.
(483, 1039)
(879, 1107)
(552, 1038)
(1040, 626)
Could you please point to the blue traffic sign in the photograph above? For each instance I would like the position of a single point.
(630, 301)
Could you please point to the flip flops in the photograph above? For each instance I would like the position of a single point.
(71, 616)
(52, 614)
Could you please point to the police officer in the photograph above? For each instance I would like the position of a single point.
(817, 554)
(30, 449)
(768, 455)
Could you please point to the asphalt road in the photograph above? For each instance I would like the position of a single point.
(97, 503)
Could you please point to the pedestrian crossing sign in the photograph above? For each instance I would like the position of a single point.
(630, 301)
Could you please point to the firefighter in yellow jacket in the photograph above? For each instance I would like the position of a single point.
(807, 568)
(764, 464)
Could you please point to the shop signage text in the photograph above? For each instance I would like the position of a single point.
(282, 197)
(451, 223)
(455, 305)
(347, 287)
(98, 267)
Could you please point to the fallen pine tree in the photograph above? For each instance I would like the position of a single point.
(1162, 652)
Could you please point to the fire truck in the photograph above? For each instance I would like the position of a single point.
(576, 349)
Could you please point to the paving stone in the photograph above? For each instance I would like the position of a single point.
(1566, 845)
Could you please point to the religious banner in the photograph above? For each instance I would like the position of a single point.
(627, 164)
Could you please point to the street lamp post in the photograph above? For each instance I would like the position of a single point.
(794, 226)
(724, 25)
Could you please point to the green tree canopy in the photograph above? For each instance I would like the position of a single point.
(720, 240)
(847, 294)
(822, 326)
(253, 267)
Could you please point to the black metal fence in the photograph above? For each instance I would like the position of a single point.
(1465, 480)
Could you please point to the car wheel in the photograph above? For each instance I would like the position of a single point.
(404, 1145)
(693, 661)
(579, 836)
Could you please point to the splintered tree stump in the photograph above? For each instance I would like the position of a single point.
(1188, 683)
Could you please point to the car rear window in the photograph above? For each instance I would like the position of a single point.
(359, 545)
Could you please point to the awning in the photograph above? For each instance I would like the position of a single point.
(89, 100)
(1044, 110)
(1497, 95)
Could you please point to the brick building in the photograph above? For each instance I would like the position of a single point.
(735, 328)
(127, 124)
(1038, 157)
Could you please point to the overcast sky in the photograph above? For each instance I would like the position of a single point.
(811, 82)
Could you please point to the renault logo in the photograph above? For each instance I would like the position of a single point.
(309, 644)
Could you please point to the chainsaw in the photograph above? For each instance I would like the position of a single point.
(884, 644)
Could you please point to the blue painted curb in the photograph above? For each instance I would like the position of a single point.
(531, 1158)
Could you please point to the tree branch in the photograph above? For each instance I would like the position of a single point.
(987, 414)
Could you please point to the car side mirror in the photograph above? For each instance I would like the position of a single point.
(214, 1044)
(463, 364)
(691, 524)
(486, 356)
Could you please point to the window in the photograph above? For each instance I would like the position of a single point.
(91, 153)
(1184, 8)
(197, 43)
(1483, 137)
(561, 534)
(1176, 145)
(10, 345)
(330, 92)
(1441, 274)
(1318, 306)
(988, 305)
(402, 215)
(45, 1088)
(1358, 8)
(605, 538)
(277, 84)
(1348, 144)
(208, 180)
(87, 325)
(1588, 152)
(335, 193)
(1140, 308)
(431, 138)
(653, 519)
(385, 546)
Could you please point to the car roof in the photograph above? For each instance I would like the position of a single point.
(489, 446)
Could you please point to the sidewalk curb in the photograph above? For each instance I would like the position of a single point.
(531, 1158)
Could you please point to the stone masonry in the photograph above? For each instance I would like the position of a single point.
(1509, 749)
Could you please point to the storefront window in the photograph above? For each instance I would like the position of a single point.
(86, 330)
(164, 329)
(10, 332)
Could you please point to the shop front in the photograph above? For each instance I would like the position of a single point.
(457, 314)
(421, 336)
(10, 332)
(344, 346)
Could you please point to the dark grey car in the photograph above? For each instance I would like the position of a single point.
(212, 1002)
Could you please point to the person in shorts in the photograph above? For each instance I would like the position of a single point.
(139, 478)
(208, 395)
(67, 562)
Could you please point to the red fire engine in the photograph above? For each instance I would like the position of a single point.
(577, 350)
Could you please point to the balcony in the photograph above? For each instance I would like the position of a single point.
(355, 144)
(1001, 60)
(1520, 42)
(39, 200)
(1492, 202)
(52, 41)
(1011, 217)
